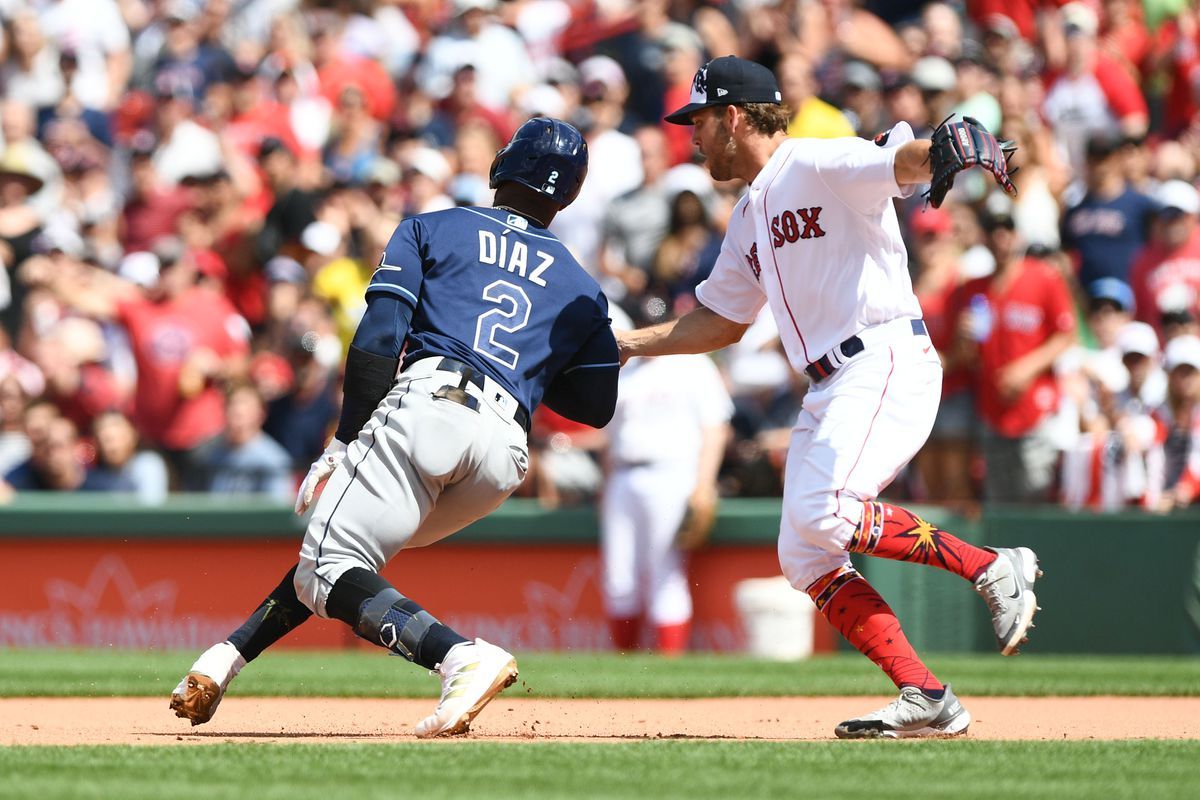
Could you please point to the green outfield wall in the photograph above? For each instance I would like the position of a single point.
(1124, 583)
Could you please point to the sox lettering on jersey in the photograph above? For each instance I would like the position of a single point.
(785, 227)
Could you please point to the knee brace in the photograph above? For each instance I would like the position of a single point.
(378, 613)
(392, 620)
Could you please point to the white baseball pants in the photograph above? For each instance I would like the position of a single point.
(856, 430)
(644, 573)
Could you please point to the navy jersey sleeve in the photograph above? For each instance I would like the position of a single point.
(585, 390)
(401, 270)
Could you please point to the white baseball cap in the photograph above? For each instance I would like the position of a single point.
(934, 74)
(321, 237)
(429, 162)
(1138, 337)
(1183, 350)
(140, 267)
(1079, 16)
(543, 100)
(1178, 194)
(603, 70)
(463, 6)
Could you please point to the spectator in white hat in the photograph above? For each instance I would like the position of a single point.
(1179, 424)
(501, 59)
(1137, 344)
(426, 173)
(1172, 257)
(938, 82)
(1118, 459)
(615, 162)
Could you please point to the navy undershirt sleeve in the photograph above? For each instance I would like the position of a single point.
(586, 389)
(373, 360)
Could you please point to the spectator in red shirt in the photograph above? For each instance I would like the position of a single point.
(71, 356)
(1093, 93)
(1124, 34)
(1169, 266)
(945, 461)
(1177, 53)
(154, 207)
(187, 340)
(1020, 14)
(1013, 324)
(338, 69)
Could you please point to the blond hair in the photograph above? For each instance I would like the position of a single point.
(768, 118)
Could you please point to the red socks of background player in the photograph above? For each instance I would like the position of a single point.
(670, 640)
(858, 612)
(888, 531)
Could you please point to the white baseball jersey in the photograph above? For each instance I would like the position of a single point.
(816, 237)
(817, 222)
(662, 406)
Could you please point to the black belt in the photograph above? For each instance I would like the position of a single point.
(474, 377)
(823, 367)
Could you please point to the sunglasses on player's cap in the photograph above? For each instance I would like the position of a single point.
(728, 81)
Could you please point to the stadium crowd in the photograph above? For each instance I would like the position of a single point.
(193, 197)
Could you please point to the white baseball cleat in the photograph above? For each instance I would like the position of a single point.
(472, 674)
(912, 714)
(200, 691)
(1007, 588)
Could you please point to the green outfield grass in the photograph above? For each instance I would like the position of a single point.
(692, 770)
(372, 674)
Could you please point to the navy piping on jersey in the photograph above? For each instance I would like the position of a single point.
(353, 474)
(590, 366)
(512, 227)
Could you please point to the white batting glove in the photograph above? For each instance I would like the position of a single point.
(319, 472)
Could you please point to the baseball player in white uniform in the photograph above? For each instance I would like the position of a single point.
(816, 237)
(666, 439)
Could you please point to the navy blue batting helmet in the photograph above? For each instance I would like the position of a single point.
(547, 155)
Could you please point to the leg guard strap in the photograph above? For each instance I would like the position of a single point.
(385, 620)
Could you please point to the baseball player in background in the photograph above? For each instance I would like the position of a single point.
(666, 440)
(817, 238)
(493, 316)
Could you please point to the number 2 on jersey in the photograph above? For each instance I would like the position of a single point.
(510, 317)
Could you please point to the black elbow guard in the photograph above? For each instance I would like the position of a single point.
(368, 379)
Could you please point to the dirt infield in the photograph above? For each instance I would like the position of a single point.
(60, 721)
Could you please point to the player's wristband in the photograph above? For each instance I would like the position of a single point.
(368, 379)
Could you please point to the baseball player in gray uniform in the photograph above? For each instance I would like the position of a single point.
(493, 316)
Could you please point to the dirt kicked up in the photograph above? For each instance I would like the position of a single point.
(74, 721)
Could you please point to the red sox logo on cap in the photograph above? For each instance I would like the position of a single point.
(700, 86)
(728, 80)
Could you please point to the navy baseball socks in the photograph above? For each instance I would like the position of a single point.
(275, 617)
(378, 613)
